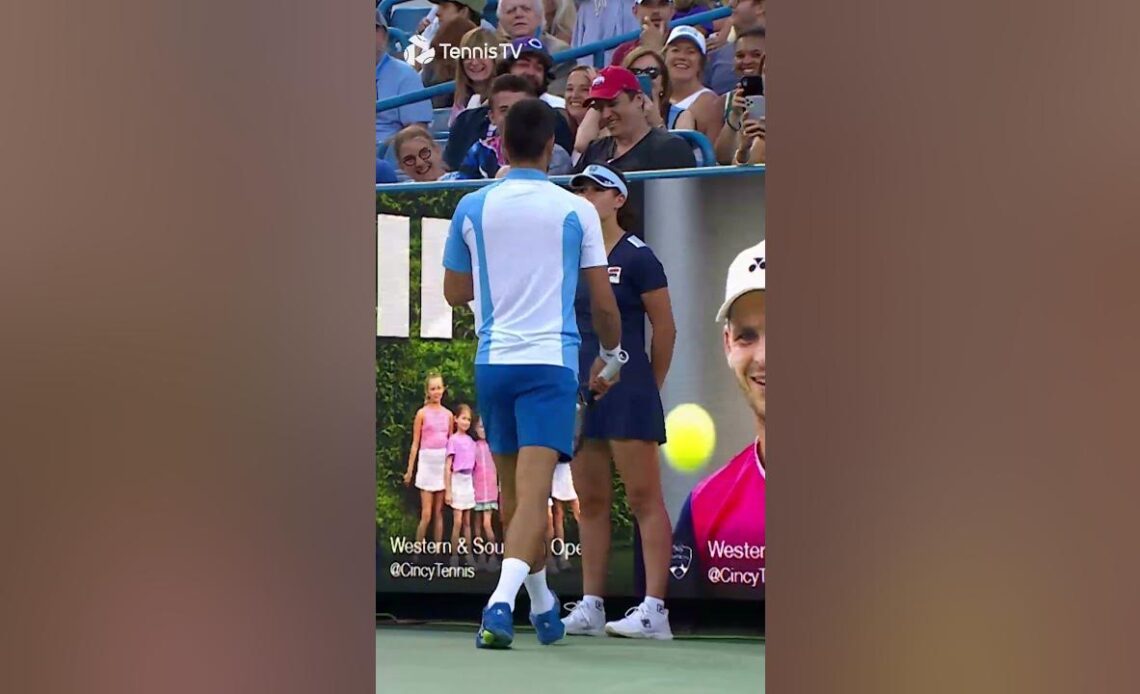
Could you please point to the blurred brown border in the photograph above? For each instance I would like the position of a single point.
(955, 229)
(187, 372)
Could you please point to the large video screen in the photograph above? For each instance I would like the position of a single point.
(696, 226)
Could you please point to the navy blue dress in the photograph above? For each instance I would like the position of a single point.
(632, 408)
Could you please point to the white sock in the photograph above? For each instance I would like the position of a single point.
(511, 577)
(594, 602)
(656, 606)
(541, 599)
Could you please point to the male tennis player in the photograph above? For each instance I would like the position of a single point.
(516, 247)
(718, 544)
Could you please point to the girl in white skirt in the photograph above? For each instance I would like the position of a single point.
(428, 456)
(459, 484)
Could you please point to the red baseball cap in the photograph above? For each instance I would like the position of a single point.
(610, 82)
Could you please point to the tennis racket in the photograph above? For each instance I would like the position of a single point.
(586, 396)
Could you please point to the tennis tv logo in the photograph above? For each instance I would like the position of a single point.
(418, 51)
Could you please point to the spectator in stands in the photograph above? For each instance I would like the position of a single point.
(473, 80)
(599, 20)
(751, 58)
(751, 145)
(690, 7)
(648, 62)
(661, 112)
(577, 91)
(528, 58)
(685, 59)
(561, 16)
(487, 156)
(445, 67)
(418, 155)
(633, 144)
(393, 78)
(653, 16)
(719, 74)
(443, 11)
(474, 124)
(524, 19)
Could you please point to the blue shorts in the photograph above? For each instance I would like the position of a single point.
(527, 405)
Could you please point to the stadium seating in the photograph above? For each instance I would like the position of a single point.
(404, 20)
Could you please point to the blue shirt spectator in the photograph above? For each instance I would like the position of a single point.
(598, 21)
(393, 78)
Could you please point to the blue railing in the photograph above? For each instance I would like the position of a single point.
(705, 172)
(597, 49)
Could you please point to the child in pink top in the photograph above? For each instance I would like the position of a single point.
(430, 431)
(486, 494)
(460, 489)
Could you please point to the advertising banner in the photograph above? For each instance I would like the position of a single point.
(696, 227)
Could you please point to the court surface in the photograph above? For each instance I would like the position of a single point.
(438, 659)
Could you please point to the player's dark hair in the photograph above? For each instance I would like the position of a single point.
(528, 128)
(627, 217)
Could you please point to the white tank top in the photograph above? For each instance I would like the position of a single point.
(692, 98)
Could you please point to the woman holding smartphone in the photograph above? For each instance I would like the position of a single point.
(626, 426)
(744, 131)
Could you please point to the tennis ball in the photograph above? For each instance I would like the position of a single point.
(691, 437)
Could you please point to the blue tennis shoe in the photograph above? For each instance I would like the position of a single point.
(498, 627)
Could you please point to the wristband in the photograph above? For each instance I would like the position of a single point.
(609, 355)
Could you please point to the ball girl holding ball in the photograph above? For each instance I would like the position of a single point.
(628, 424)
(428, 457)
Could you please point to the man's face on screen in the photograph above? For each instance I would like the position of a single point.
(744, 337)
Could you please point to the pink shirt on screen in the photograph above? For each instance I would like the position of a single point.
(486, 478)
(728, 508)
(436, 428)
(462, 447)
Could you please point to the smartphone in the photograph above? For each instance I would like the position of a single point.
(754, 107)
(646, 83)
(752, 85)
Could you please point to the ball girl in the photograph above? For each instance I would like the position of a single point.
(428, 456)
(486, 493)
(459, 485)
(628, 424)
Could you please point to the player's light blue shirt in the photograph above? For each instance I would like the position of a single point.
(524, 239)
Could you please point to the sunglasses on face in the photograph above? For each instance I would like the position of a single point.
(650, 72)
(410, 160)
